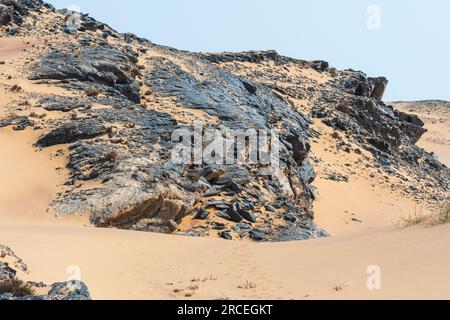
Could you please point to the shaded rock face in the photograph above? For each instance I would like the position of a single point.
(100, 66)
(379, 87)
(240, 104)
(71, 133)
(359, 84)
(237, 103)
(70, 290)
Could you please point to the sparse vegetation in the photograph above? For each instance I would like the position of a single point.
(420, 218)
(444, 215)
(16, 287)
(194, 287)
(417, 218)
(340, 287)
(247, 285)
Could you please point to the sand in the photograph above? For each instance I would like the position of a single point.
(131, 265)
(362, 203)
(436, 115)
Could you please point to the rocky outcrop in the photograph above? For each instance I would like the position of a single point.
(71, 133)
(13, 12)
(357, 83)
(143, 93)
(350, 103)
(99, 68)
(379, 87)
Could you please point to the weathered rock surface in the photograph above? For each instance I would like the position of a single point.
(350, 102)
(101, 66)
(72, 132)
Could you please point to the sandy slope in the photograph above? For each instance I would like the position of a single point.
(436, 115)
(128, 265)
(29, 183)
(364, 202)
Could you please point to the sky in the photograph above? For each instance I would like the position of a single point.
(405, 40)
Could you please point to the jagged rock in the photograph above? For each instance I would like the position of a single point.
(132, 162)
(234, 175)
(218, 226)
(14, 11)
(221, 205)
(300, 147)
(249, 87)
(127, 205)
(211, 173)
(18, 263)
(290, 218)
(98, 64)
(66, 107)
(6, 14)
(202, 215)
(6, 272)
(250, 217)
(225, 235)
(379, 87)
(360, 85)
(233, 213)
(156, 225)
(70, 290)
(72, 132)
(19, 123)
(257, 235)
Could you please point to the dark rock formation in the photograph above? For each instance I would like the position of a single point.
(100, 66)
(72, 132)
(144, 92)
(14, 11)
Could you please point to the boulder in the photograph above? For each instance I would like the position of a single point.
(6, 15)
(379, 87)
(257, 235)
(247, 215)
(201, 215)
(70, 290)
(225, 235)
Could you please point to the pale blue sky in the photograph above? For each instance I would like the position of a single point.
(412, 48)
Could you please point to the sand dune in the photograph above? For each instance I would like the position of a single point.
(129, 265)
(29, 179)
(436, 115)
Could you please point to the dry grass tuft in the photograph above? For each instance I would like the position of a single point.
(247, 285)
(431, 220)
(16, 287)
